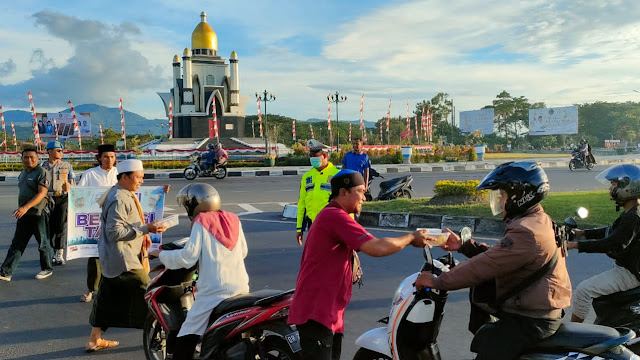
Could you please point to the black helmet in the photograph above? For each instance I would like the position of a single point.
(627, 177)
(525, 183)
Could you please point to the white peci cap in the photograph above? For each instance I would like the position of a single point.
(129, 165)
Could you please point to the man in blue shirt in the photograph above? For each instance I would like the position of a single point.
(358, 160)
(209, 157)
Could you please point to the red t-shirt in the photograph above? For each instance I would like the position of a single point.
(324, 286)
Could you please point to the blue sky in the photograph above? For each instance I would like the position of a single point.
(558, 52)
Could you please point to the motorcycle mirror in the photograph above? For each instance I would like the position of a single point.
(582, 212)
(428, 259)
(465, 234)
(571, 223)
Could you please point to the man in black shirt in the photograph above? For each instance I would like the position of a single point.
(32, 215)
(619, 241)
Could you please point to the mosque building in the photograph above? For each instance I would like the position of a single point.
(202, 76)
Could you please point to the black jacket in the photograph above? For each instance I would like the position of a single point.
(620, 241)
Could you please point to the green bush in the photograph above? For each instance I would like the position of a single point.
(453, 187)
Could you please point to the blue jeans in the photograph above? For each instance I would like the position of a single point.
(27, 226)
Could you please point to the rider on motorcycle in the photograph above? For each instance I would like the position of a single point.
(584, 151)
(528, 244)
(221, 156)
(218, 245)
(209, 158)
(619, 241)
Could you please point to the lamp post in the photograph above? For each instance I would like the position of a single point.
(337, 98)
(266, 97)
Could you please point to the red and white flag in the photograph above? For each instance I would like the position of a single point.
(388, 118)
(36, 132)
(215, 120)
(329, 118)
(423, 123)
(76, 128)
(349, 131)
(293, 129)
(429, 125)
(4, 130)
(417, 129)
(170, 119)
(362, 127)
(101, 136)
(408, 121)
(259, 117)
(15, 140)
(124, 137)
(381, 125)
(311, 129)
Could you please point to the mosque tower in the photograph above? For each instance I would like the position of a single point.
(205, 76)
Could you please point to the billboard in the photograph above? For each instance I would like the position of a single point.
(475, 120)
(553, 121)
(64, 125)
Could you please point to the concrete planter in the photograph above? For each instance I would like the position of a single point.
(406, 154)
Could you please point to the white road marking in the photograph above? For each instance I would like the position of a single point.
(249, 209)
(284, 204)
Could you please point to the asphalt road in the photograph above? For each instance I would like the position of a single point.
(44, 319)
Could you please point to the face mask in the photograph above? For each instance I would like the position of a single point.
(316, 162)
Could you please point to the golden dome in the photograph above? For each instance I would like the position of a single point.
(186, 52)
(203, 36)
(234, 55)
(176, 59)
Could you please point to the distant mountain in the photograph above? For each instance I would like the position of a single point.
(367, 124)
(108, 117)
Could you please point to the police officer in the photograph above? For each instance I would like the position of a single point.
(32, 216)
(315, 186)
(61, 175)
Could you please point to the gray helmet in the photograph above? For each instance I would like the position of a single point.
(628, 178)
(197, 198)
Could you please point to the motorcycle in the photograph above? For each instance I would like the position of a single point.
(620, 309)
(197, 169)
(391, 189)
(578, 161)
(414, 321)
(248, 326)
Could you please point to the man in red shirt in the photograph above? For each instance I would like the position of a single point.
(324, 284)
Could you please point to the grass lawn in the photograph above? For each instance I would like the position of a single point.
(512, 156)
(557, 205)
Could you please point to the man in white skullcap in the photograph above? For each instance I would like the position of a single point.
(122, 247)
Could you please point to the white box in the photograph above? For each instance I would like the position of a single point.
(169, 221)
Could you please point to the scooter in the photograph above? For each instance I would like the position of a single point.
(196, 169)
(620, 309)
(391, 189)
(250, 326)
(414, 321)
(577, 161)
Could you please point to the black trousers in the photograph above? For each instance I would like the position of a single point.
(58, 223)
(509, 336)
(27, 226)
(318, 342)
(94, 273)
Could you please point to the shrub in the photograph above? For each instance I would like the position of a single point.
(453, 187)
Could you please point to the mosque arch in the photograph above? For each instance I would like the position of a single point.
(197, 97)
(219, 104)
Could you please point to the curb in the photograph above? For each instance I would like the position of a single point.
(414, 168)
(410, 221)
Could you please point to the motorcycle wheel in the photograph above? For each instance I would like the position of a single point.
(572, 165)
(589, 166)
(366, 354)
(220, 173)
(277, 349)
(406, 194)
(154, 340)
(190, 174)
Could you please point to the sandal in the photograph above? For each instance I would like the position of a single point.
(86, 297)
(101, 344)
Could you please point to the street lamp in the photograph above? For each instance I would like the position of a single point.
(266, 97)
(337, 98)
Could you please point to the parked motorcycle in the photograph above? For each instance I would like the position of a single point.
(616, 310)
(197, 169)
(414, 321)
(577, 161)
(391, 189)
(250, 326)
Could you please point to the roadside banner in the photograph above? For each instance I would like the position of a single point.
(477, 120)
(84, 227)
(553, 121)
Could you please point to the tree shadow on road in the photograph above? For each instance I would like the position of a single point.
(78, 352)
(72, 299)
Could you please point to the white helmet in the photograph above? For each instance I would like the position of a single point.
(197, 198)
(627, 177)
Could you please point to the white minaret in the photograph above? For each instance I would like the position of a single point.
(234, 86)
(176, 88)
(186, 78)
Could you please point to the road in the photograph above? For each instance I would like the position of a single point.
(44, 319)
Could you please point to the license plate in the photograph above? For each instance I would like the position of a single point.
(293, 339)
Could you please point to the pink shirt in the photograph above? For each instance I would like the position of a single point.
(324, 286)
